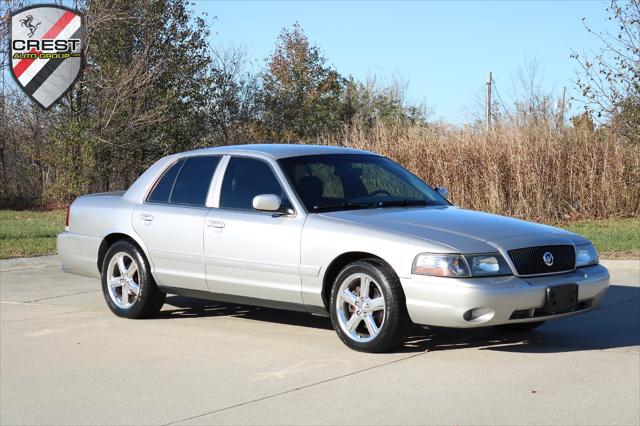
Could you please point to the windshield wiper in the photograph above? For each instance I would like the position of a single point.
(346, 205)
(401, 203)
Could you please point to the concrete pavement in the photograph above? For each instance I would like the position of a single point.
(65, 359)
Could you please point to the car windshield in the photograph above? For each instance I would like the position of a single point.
(354, 181)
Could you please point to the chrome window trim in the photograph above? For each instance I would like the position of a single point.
(186, 206)
(213, 197)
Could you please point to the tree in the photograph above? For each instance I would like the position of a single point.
(141, 96)
(301, 96)
(371, 102)
(232, 101)
(610, 81)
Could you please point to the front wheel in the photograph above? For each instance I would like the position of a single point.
(127, 284)
(368, 308)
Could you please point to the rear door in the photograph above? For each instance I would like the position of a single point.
(171, 222)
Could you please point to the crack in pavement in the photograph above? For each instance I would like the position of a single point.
(29, 269)
(63, 295)
(42, 317)
(285, 392)
(622, 302)
(48, 298)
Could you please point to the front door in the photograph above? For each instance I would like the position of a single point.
(250, 253)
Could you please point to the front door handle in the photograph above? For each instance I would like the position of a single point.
(215, 224)
(146, 217)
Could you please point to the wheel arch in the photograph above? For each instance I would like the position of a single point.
(111, 238)
(339, 263)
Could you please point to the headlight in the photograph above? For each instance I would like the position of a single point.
(586, 254)
(457, 265)
(483, 265)
(441, 265)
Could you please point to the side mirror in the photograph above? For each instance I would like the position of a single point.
(266, 203)
(443, 191)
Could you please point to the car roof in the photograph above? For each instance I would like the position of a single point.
(278, 150)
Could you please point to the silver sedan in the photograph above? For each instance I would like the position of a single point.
(332, 231)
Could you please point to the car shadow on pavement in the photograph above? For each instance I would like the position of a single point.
(186, 307)
(615, 325)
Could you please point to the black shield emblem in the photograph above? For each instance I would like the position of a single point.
(46, 51)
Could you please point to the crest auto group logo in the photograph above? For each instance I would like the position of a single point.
(46, 51)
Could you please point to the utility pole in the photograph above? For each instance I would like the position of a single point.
(562, 109)
(488, 103)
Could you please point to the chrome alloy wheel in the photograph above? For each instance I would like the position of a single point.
(360, 307)
(123, 280)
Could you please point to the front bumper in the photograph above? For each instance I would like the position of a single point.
(479, 302)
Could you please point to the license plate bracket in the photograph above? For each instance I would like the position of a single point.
(561, 299)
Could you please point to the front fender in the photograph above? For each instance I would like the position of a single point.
(325, 239)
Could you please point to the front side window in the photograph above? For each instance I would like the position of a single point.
(244, 179)
(346, 181)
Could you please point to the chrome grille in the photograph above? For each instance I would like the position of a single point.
(530, 260)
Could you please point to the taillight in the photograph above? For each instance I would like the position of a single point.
(66, 221)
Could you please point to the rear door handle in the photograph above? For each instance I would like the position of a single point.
(146, 217)
(215, 224)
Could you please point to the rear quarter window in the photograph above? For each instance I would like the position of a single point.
(162, 190)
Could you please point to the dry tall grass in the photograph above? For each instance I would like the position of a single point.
(534, 172)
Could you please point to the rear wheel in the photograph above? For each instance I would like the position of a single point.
(127, 284)
(368, 309)
(520, 327)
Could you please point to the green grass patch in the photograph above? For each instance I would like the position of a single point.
(614, 238)
(33, 233)
(29, 233)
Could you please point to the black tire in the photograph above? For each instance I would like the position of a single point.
(520, 327)
(150, 299)
(396, 320)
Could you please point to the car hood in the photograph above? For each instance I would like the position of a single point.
(462, 230)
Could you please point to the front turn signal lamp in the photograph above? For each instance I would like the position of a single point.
(461, 266)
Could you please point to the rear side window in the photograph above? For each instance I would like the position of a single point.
(192, 185)
(244, 179)
(162, 190)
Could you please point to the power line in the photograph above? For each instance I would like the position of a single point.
(502, 103)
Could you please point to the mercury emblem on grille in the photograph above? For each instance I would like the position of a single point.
(547, 257)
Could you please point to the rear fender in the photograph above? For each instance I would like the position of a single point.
(130, 233)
